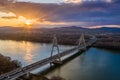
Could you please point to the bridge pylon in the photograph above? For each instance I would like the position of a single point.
(55, 45)
(82, 42)
(28, 75)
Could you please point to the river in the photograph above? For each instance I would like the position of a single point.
(27, 52)
(94, 64)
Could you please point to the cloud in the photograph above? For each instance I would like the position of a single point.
(116, 26)
(84, 1)
(7, 15)
(72, 1)
(89, 13)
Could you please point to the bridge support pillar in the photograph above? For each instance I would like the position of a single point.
(28, 75)
(82, 42)
(55, 45)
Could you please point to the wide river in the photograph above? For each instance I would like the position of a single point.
(94, 64)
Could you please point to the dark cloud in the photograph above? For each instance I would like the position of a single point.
(95, 13)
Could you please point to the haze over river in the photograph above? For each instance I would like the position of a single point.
(94, 64)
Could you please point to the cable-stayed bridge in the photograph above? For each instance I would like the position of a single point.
(53, 59)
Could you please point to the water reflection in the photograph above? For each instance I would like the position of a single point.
(29, 48)
(58, 72)
(27, 52)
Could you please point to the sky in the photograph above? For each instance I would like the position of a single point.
(83, 13)
(62, 1)
(43, 1)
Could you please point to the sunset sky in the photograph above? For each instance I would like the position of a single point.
(84, 13)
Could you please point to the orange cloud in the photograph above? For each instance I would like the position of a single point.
(73, 1)
(9, 14)
(12, 20)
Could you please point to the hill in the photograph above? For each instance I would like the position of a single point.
(108, 29)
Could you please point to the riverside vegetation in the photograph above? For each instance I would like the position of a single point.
(6, 64)
(111, 42)
(66, 36)
(40, 77)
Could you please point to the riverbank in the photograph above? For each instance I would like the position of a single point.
(6, 64)
(65, 36)
(111, 42)
(102, 42)
(33, 77)
(39, 77)
(66, 39)
(109, 46)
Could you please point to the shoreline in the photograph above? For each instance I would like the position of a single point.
(44, 42)
(97, 45)
(39, 77)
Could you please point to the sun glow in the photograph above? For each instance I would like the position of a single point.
(29, 22)
(14, 20)
(26, 21)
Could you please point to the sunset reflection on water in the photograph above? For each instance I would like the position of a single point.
(26, 52)
(29, 48)
(22, 49)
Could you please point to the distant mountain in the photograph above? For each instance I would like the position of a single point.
(102, 28)
(85, 30)
(108, 29)
(69, 28)
(9, 29)
(5, 27)
(73, 27)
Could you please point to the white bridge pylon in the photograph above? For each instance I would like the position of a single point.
(82, 42)
(55, 45)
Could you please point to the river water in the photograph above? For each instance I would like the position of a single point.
(27, 52)
(94, 64)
